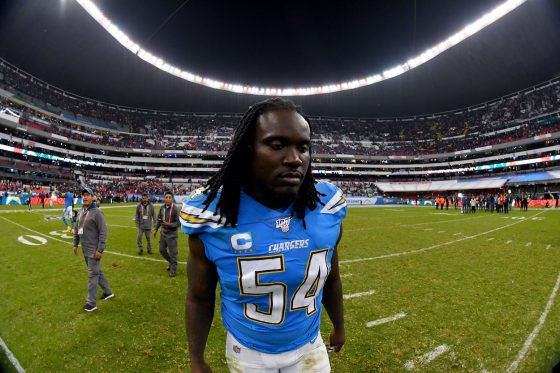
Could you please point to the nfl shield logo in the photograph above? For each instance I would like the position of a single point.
(284, 224)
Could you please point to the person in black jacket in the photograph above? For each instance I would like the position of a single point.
(168, 218)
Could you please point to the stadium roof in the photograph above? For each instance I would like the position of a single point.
(285, 43)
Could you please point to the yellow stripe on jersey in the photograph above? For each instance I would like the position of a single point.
(194, 219)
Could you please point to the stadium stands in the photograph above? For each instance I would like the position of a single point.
(51, 136)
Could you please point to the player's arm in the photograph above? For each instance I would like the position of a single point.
(200, 302)
(332, 300)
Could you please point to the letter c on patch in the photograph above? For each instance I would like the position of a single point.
(241, 241)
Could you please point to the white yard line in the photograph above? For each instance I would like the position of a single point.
(528, 244)
(434, 246)
(11, 357)
(445, 221)
(527, 345)
(356, 295)
(410, 225)
(441, 232)
(547, 247)
(490, 239)
(106, 251)
(508, 242)
(385, 320)
(120, 226)
(427, 357)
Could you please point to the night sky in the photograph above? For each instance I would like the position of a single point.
(284, 43)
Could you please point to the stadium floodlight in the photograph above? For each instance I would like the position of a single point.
(471, 29)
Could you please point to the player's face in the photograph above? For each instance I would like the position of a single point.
(144, 200)
(168, 199)
(86, 198)
(280, 157)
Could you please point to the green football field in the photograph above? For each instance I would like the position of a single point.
(426, 291)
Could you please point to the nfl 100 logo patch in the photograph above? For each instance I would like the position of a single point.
(284, 224)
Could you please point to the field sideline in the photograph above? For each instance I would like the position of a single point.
(425, 290)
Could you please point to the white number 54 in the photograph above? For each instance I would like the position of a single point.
(304, 298)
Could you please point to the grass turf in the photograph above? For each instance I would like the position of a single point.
(471, 282)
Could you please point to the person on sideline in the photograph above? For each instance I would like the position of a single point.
(67, 217)
(91, 231)
(145, 220)
(268, 233)
(168, 218)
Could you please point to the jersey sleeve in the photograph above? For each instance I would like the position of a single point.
(194, 219)
(334, 201)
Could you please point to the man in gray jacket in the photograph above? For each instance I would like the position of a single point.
(91, 231)
(168, 218)
(145, 219)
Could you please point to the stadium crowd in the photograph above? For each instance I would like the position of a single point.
(511, 118)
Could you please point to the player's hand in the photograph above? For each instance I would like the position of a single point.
(98, 255)
(336, 340)
(201, 367)
(75, 249)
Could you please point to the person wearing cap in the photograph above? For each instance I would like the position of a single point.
(145, 220)
(168, 218)
(91, 232)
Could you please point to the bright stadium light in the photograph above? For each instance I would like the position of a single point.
(412, 63)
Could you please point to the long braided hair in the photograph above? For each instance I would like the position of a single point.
(235, 171)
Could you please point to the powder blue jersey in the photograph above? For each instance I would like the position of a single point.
(271, 269)
(68, 199)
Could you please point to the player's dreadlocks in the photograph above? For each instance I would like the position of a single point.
(235, 170)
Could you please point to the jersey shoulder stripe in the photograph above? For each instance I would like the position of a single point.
(335, 201)
(194, 219)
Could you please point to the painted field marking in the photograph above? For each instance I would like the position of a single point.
(106, 251)
(444, 221)
(61, 234)
(385, 320)
(508, 242)
(345, 275)
(428, 229)
(35, 240)
(355, 295)
(528, 244)
(427, 357)
(441, 232)
(547, 247)
(11, 357)
(457, 234)
(429, 247)
(120, 226)
(527, 345)
(490, 239)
